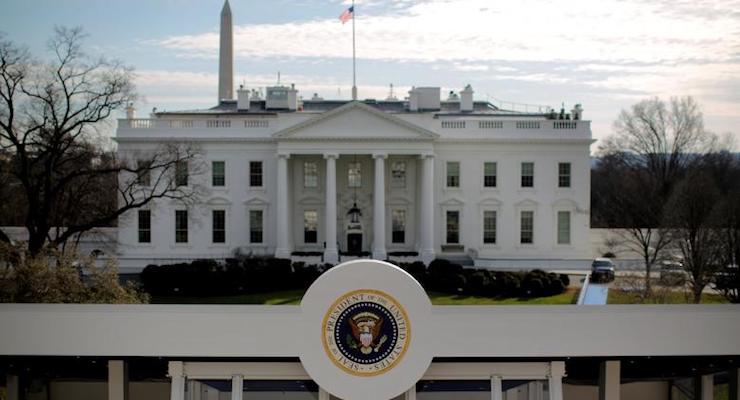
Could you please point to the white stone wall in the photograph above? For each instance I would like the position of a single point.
(359, 133)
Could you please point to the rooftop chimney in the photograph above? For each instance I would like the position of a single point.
(226, 56)
(242, 99)
(466, 99)
(424, 99)
(130, 111)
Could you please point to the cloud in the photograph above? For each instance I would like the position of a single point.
(479, 30)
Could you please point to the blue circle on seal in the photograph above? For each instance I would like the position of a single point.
(366, 332)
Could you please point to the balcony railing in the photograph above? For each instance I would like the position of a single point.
(514, 125)
(155, 123)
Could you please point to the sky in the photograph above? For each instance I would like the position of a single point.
(604, 54)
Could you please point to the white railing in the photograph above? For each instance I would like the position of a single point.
(565, 125)
(453, 124)
(145, 123)
(218, 123)
(527, 125)
(490, 124)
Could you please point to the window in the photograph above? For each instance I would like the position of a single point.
(489, 174)
(310, 226)
(354, 174)
(564, 175)
(143, 176)
(453, 227)
(145, 226)
(453, 174)
(398, 174)
(398, 223)
(563, 227)
(181, 173)
(255, 173)
(181, 226)
(310, 174)
(526, 227)
(218, 169)
(219, 226)
(255, 226)
(527, 174)
(489, 227)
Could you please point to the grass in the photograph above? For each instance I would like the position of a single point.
(293, 297)
(673, 297)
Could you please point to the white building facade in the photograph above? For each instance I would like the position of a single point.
(419, 178)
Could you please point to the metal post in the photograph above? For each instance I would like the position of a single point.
(237, 387)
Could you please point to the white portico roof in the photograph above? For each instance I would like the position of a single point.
(355, 121)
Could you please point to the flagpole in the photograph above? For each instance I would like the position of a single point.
(354, 70)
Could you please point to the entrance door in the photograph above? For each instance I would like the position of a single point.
(354, 243)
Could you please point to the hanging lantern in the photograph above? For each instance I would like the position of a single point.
(354, 214)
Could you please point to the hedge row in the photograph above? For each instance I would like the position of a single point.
(265, 274)
(447, 277)
(235, 276)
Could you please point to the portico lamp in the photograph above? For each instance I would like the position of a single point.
(354, 214)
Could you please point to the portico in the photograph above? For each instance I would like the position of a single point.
(350, 192)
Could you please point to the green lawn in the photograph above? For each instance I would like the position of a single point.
(293, 297)
(676, 297)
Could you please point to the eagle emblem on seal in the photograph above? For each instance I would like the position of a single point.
(365, 332)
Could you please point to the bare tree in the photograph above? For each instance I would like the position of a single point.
(692, 214)
(51, 114)
(627, 200)
(654, 144)
(663, 136)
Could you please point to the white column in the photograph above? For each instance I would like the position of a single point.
(379, 208)
(411, 394)
(555, 380)
(117, 380)
(705, 387)
(735, 384)
(609, 380)
(323, 394)
(497, 388)
(283, 249)
(331, 254)
(426, 217)
(177, 379)
(237, 387)
(12, 387)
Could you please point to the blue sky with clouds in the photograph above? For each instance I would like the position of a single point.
(605, 54)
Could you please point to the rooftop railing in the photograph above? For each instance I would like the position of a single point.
(155, 123)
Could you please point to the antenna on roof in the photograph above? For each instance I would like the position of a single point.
(278, 81)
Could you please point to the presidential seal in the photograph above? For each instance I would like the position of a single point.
(366, 332)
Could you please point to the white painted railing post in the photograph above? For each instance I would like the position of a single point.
(177, 386)
(411, 393)
(555, 380)
(497, 388)
(323, 394)
(610, 379)
(704, 387)
(237, 387)
(117, 380)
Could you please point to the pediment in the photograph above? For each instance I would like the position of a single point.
(452, 202)
(256, 201)
(490, 202)
(526, 203)
(355, 120)
(218, 201)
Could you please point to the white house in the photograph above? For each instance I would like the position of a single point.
(421, 177)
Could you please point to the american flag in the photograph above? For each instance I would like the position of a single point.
(347, 14)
